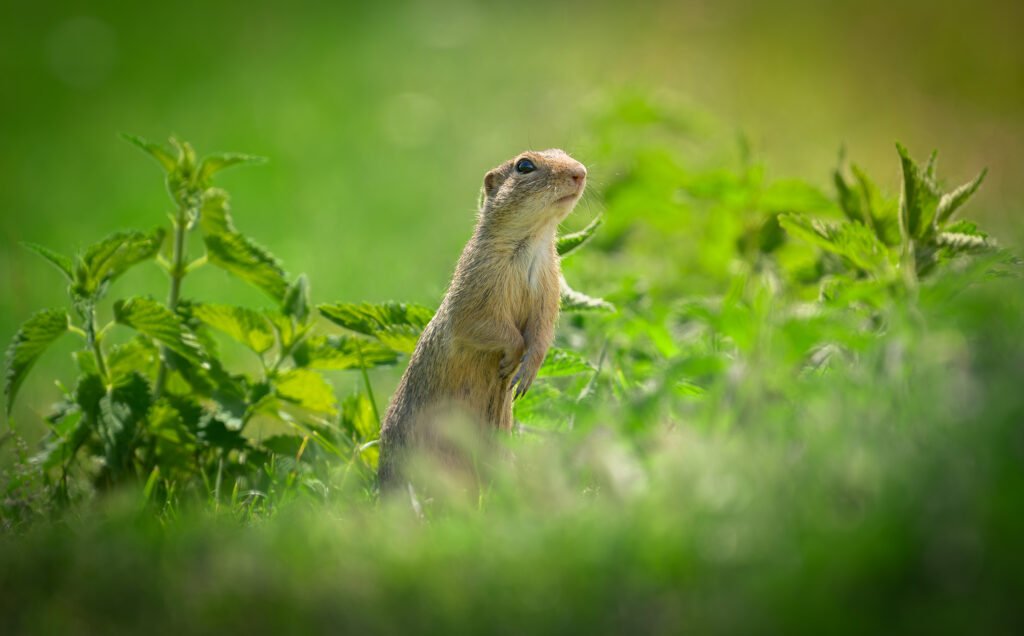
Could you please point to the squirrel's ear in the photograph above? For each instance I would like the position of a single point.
(491, 183)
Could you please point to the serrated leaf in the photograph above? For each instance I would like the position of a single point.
(357, 417)
(33, 337)
(158, 152)
(62, 446)
(853, 241)
(952, 201)
(138, 354)
(169, 424)
(296, 301)
(342, 352)
(369, 318)
(929, 170)
(88, 393)
(149, 317)
(960, 242)
(86, 361)
(247, 261)
(104, 261)
(563, 362)
(308, 389)
(283, 326)
(214, 432)
(964, 226)
(544, 405)
(121, 410)
(401, 338)
(883, 214)
(849, 199)
(215, 212)
(217, 162)
(918, 200)
(571, 242)
(572, 300)
(251, 328)
(61, 262)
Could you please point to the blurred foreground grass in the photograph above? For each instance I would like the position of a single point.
(887, 499)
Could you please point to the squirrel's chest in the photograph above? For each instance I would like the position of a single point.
(537, 262)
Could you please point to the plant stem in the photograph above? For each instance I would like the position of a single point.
(177, 273)
(366, 381)
(94, 343)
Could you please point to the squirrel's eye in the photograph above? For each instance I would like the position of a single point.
(524, 166)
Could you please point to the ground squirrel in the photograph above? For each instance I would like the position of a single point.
(497, 320)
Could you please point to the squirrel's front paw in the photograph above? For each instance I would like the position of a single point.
(525, 377)
(513, 358)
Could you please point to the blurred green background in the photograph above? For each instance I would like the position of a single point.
(380, 119)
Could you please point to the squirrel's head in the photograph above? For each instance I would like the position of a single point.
(533, 190)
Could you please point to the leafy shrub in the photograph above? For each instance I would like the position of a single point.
(163, 408)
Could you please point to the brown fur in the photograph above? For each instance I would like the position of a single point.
(494, 327)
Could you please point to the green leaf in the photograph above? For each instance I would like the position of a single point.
(307, 389)
(687, 389)
(214, 432)
(246, 326)
(929, 170)
(401, 338)
(33, 337)
(158, 152)
(544, 406)
(215, 212)
(138, 354)
(853, 241)
(951, 201)
(217, 162)
(61, 262)
(850, 201)
(296, 299)
(371, 319)
(572, 300)
(563, 362)
(282, 324)
(882, 215)
(86, 361)
(288, 445)
(964, 242)
(918, 200)
(342, 352)
(571, 242)
(62, 445)
(104, 261)
(247, 261)
(120, 412)
(358, 418)
(149, 317)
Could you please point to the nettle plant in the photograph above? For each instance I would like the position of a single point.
(162, 406)
(884, 240)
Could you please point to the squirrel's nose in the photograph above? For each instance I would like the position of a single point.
(578, 173)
